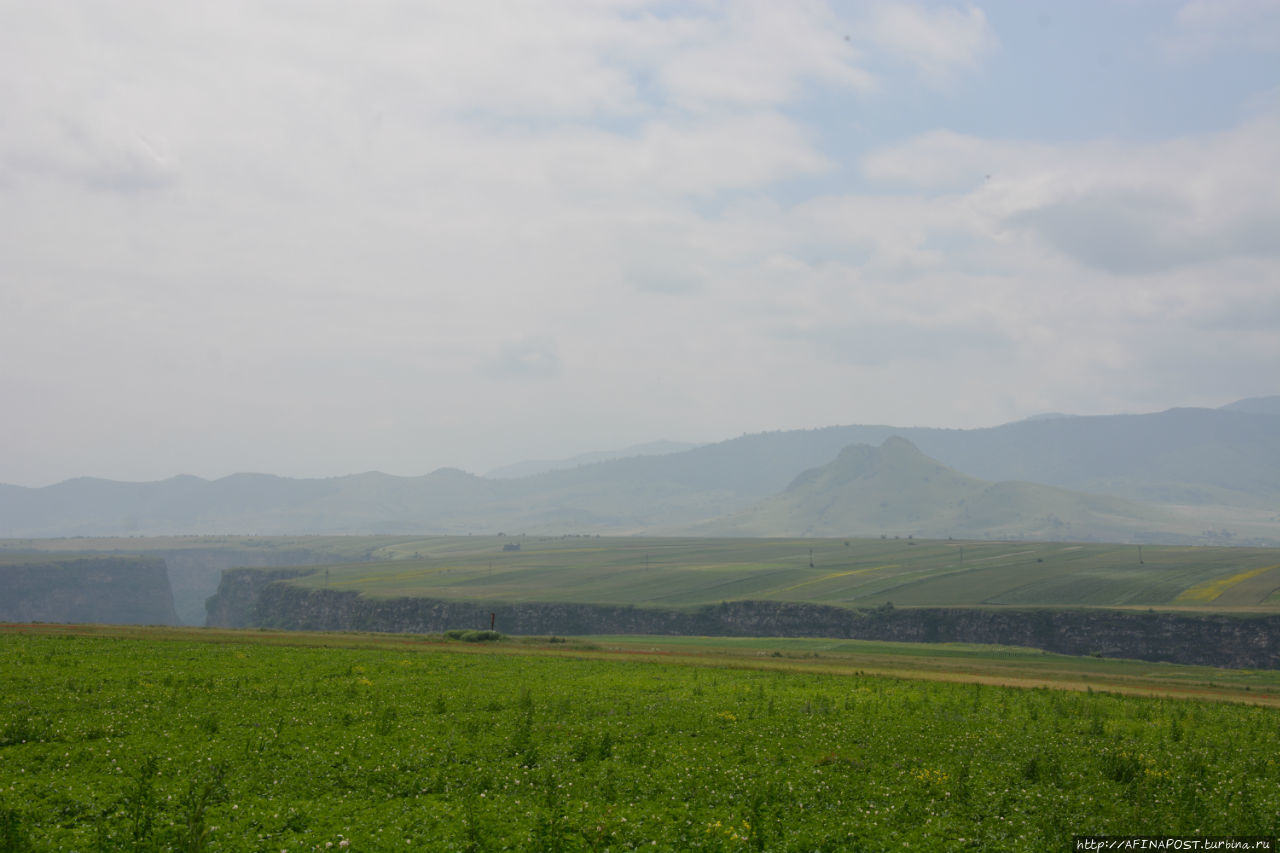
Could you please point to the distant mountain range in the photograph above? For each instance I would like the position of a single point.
(541, 466)
(1184, 475)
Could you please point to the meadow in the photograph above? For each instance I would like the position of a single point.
(675, 572)
(164, 739)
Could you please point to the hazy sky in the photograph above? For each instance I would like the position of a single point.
(312, 238)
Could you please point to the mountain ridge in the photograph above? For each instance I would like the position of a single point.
(1221, 463)
(894, 488)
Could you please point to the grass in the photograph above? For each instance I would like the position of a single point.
(1012, 666)
(646, 571)
(172, 739)
(1213, 590)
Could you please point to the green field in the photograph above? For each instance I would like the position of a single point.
(161, 739)
(352, 547)
(672, 572)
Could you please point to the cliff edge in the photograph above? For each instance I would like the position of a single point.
(95, 589)
(249, 598)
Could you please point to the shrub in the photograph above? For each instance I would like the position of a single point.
(473, 636)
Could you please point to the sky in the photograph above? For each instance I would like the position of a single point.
(319, 238)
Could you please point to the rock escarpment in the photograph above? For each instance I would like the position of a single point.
(97, 589)
(248, 598)
(196, 572)
(237, 601)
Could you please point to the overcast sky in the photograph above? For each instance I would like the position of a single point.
(312, 238)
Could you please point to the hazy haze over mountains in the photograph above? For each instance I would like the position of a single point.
(1257, 405)
(321, 238)
(1199, 475)
(541, 466)
(897, 490)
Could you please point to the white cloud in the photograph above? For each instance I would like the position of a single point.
(1124, 208)
(531, 358)
(319, 238)
(938, 42)
(944, 159)
(760, 54)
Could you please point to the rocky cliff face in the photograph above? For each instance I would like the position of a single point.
(96, 589)
(237, 601)
(249, 598)
(196, 572)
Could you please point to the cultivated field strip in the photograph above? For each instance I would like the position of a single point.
(646, 571)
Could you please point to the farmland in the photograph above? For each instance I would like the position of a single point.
(165, 739)
(662, 572)
(669, 572)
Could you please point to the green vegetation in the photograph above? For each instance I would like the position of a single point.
(470, 636)
(673, 572)
(169, 740)
(679, 571)
(868, 490)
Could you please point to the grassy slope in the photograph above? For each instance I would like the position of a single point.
(897, 489)
(669, 572)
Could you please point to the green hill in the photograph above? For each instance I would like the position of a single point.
(895, 489)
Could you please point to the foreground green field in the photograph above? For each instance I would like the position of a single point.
(130, 738)
(856, 572)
